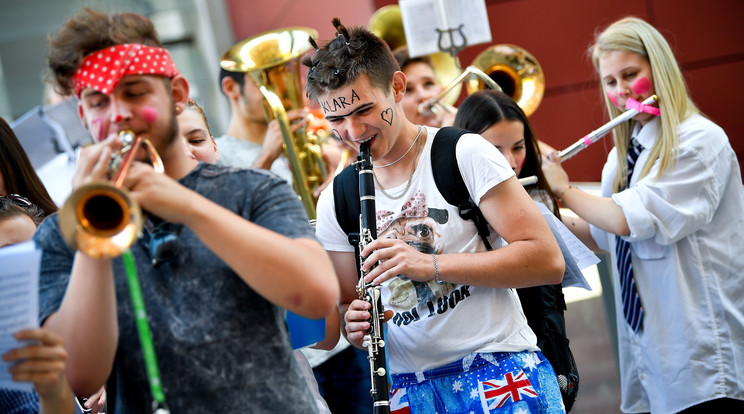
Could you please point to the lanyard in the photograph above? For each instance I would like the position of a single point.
(143, 329)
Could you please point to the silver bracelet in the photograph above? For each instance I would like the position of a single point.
(436, 270)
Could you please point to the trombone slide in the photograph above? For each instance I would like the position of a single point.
(598, 133)
(431, 105)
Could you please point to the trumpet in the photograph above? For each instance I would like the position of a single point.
(101, 219)
(600, 132)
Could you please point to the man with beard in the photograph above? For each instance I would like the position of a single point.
(215, 302)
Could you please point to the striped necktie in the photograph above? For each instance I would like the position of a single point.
(632, 309)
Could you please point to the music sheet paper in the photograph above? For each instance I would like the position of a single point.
(19, 296)
(422, 18)
(576, 255)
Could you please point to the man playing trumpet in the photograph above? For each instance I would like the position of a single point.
(214, 301)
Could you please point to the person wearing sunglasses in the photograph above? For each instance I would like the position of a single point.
(18, 219)
(17, 175)
(43, 361)
(215, 308)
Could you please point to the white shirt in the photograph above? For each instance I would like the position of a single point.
(687, 250)
(435, 324)
(240, 153)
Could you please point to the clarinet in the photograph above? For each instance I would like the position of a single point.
(374, 337)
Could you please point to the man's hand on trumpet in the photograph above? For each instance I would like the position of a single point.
(93, 161)
(160, 194)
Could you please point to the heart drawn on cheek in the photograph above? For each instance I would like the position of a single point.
(387, 116)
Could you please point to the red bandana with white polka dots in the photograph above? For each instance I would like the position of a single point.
(102, 70)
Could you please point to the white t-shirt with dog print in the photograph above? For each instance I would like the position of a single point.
(438, 323)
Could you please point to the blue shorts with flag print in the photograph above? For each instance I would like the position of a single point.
(509, 382)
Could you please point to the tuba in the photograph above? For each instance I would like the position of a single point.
(515, 70)
(272, 59)
(101, 219)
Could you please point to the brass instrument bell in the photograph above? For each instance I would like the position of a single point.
(272, 59)
(101, 219)
(516, 71)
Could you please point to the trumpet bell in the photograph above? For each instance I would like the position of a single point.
(516, 71)
(100, 220)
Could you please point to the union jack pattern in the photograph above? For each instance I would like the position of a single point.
(495, 393)
(399, 402)
(503, 383)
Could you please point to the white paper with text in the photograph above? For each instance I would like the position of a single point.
(422, 18)
(19, 299)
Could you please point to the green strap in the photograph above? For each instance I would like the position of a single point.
(148, 350)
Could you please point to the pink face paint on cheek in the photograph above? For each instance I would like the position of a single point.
(150, 114)
(97, 124)
(613, 98)
(641, 86)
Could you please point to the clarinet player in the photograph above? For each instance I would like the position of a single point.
(456, 334)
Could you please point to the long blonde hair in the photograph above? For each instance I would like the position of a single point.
(634, 35)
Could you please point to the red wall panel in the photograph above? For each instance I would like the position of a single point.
(257, 16)
(708, 42)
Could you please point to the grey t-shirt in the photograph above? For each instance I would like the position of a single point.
(236, 152)
(221, 347)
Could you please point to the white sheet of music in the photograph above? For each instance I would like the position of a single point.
(19, 295)
(422, 18)
(576, 255)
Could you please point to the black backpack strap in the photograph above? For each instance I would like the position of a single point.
(346, 203)
(346, 199)
(449, 180)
